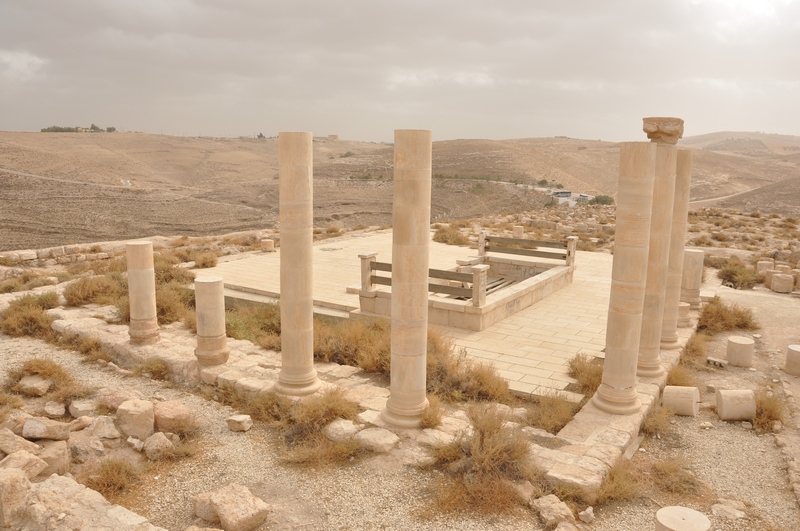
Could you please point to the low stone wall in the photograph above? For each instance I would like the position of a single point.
(63, 254)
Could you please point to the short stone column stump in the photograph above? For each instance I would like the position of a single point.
(782, 283)
(736, 404)
(792, 360)
(676, 518)
(684, 317)
(682, 400)
(740, 351)
(268, 245)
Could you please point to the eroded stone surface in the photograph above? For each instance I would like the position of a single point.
(377, 439)
(136, 418)
(237, 508)
(663, 130)
(552, 510)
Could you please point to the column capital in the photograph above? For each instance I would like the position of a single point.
(664, 130)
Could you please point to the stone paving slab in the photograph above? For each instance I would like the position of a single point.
(530, 349)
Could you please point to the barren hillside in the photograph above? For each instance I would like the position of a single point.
(79, 187)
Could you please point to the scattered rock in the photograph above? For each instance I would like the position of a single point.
(80, 423)
(747, 425)
(25, 461)
(378, 440)
(136, 444)
(136, 418)
(54, 410)
(234, 506)
(552, 511)
(114, 400)
(565, 526)
(14, 487)
(340, 430)
(34, 385)
(706, 426)
(239, 422)
(42, 428)
(731, 509)
(172, 416)
(203, 508)
(587, 515)
(158, 446)
(57, 456)
(83, 448)
(82, 408)
(103, 428)
(10, 443)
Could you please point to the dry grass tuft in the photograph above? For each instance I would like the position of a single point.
(695, 350)
(480, 469)
(682, 376)
(735, 273)
(551, 412)
(432, 414)
(658, 421)
(27, 317)
(620, 483)
(158, 369)
(310, 415)
(257, 323)
(588, 370)
(7, 403)
(450, 235)
(205, 260)
(64, 388)
(671, 475)
(112, 477)
(717, 316)
(105, 289)
(769, 408)
(90, 347)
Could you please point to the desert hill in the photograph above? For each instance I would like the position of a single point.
(77, 187)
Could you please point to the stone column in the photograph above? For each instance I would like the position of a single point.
(480, 274)
(617, 394)
(665, 133)
(295, 169)
(692, 276)
(142, 293)
(411, 218)
(680, 214)
(212, 343)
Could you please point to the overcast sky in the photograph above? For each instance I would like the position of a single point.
(362, 68)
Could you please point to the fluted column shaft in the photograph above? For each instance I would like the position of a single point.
(411, 214)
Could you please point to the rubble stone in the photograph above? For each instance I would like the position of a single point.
(157, 446)
(136, 418)
(42, 428)
(25, 461)
(552, 510)
(171, 416)
(239, 422)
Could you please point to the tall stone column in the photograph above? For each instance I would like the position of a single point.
(295, 170)
(411, 218)
(142, 293)
(677, 241)
(665, 132)
(212, 342)
(617, 393)
(692, 276)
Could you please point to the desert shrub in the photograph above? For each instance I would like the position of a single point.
(257, 323)
(26, 317)
(769, 408)
(171, 303)
(550, 412)
(716, 316)
(90, 347)
(166, 272)
(735, 273)
(658, 421)
(158, 369)
(205, 260)
(620, 483)
(671, 475)
(7, 403)
(454, 377)
(354, 342)
(64, 387)
(479, 468)
(105, 289)
(112, 477)
(432, 414)
(695, 350)
(602, 200)
(702, 241)
(588, 371)
(681, 375)
(450, 236)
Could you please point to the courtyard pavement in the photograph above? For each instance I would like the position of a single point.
(530, 349)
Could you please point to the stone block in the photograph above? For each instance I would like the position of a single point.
(172, 416)
(14, 487)
(158, 446)
(34, 385)
(42, 428)
(377, 440)
(57, 456)
(782, 283)
(552, 510)
(239, 422)
(114, 400)
(340, 430)
(103, 428)
(136, 418)
(204, 509)
(54, 410)
(238, 509)
(30, 464)
(11, 442)
(738, 404)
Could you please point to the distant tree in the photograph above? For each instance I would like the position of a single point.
(111, 129)
(59, 129)
(261, 135)
(542, 182)
(602, 200)
(94, 129)
(348, 154)
(559, 186)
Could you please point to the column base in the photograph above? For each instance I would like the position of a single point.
(617, 401)
(298, 388)
(651, 370)
(403, 417)
(209, 358)
(144, 331)
(670, 343)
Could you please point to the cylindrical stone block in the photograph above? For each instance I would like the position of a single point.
(764, 265)
(142, 293)
(792, 365)
(782, 283)
(684, 317)
(676, 518)
(677, 240)
(411, 218)
(518, 231)
(295, 185)
(212, 343)
(649, 364)
(740, 351)
(692, 277)
(267, 245)
(617, 393)
(768, 274)
(683, 401)
(736, 404)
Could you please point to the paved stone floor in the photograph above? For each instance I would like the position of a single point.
(530, 349)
